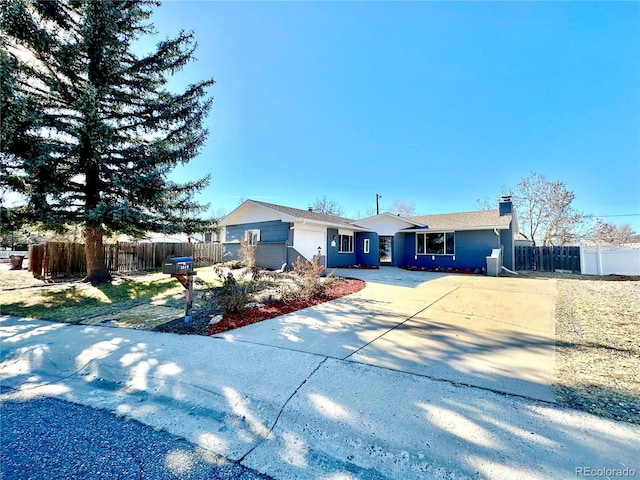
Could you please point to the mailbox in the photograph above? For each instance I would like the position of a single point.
(181, 268)
(178, 265)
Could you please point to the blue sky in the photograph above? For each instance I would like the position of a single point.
(435, 103)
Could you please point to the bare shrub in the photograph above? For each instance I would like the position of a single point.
(233, 297)
(308, 279)
(248, 254)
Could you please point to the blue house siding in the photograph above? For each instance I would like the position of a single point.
(399, 248)
(471, 251)
(272, 231)
(370, 259)
(508, 254)
(335, 259)
(271, 255)
(231, 252)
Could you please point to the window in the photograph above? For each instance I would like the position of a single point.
(252, 237)
(450, 243)
(435, 243)
(366, 245)
(345, 243)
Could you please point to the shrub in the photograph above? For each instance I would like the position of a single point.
(233, 297)
(308, 279)
(248, 254)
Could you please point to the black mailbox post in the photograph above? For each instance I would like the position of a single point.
(181, 268)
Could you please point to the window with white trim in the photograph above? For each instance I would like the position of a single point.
(436, 243)
(366, 245)
(252, 237)
(345, 243)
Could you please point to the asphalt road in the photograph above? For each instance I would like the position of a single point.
(46, 438)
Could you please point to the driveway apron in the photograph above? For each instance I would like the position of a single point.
(492, 333)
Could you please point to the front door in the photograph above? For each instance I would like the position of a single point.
(386, 250)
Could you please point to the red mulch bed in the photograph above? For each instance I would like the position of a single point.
(338, 288)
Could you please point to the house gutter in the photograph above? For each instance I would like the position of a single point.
(355, 228)
(453, 229)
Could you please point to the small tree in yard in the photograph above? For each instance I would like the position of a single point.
(89, 131)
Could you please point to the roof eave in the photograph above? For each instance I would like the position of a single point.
(391, 215)
(456, 229)
(349, 226)
(285, 217)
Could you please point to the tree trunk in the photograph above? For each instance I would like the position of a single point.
(94, 251)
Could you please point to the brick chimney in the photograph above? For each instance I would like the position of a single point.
(505, 205)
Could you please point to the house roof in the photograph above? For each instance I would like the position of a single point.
(478, 220)
(309, 215)
(388, 215)
(290, 214)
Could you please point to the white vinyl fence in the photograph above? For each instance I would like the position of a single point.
(610, 259)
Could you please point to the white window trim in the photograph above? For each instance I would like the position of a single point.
(444, 246)
(366, 245)
(249, 235)
(340, 243)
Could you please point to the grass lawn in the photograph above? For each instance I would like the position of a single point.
(76, 302)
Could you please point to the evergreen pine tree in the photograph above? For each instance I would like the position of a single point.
(90, 131)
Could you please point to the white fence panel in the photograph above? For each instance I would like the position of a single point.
(610, 259)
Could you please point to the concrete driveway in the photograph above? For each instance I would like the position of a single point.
(493, 333)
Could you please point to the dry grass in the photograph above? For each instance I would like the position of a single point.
(598, 345)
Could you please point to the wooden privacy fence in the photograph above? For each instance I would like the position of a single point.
(66, 259)
(548, 259)
(136, 257)
(57, 259)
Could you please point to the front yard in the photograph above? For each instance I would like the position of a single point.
(597, 322)
(155, 301)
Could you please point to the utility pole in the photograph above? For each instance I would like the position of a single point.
(378, 197)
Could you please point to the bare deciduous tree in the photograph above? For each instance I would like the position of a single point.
(545, 211)
(403, 208)
(330, 207)
(486, 203)
(606, 232)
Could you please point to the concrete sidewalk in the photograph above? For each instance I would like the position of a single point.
(359, 399)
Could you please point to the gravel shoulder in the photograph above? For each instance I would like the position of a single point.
(597, 364)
